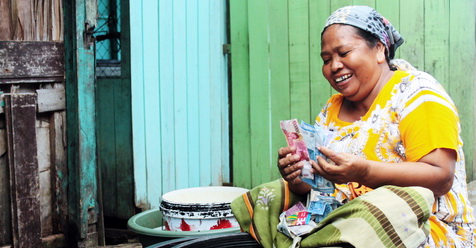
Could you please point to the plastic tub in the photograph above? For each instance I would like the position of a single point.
(148, 226)
(200, 208)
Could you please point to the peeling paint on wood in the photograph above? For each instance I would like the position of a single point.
(23, 165)
(51, 100)
(31, 61)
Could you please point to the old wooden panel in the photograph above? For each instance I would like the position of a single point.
(431, 45)
(51, 100)
(58, 182)
(31, 61)
(114, 140)
(28, 20)
(44, 170)
(83, 207)
(5, 218)
(23, 165)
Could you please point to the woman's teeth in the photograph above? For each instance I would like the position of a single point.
(343, 78)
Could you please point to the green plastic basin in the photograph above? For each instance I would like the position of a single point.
(148, 226)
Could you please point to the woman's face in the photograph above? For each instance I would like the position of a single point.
(350, 65)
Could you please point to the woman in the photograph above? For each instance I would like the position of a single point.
(393, 127)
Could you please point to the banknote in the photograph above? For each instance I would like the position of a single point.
(294, 137)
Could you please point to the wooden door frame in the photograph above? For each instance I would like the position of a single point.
(83, 204)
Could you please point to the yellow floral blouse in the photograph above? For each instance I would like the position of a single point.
(411, 116)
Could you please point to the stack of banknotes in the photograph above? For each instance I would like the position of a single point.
(307, 138)
(301, 219)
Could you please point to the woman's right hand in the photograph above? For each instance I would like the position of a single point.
(288, 164)
(290, 168)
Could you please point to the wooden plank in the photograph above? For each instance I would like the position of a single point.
(370, 3)
(336, 4)
(437, 28)
(58, 160)
(44, 166)
(204, 92)
(179, 103)
(320, 88)
(166, 114)
(5, 204)
(259, 91)
(152, 96)
(413, 28)
(23, 165)
(6, 23)
(240, 92)
(462, 64)
(123, 135)
(22, 60)
(51, 100)
(279, 76)
(82, 167)
(299, 59)
(138, 107)
(218, 92)
(192, 93)
(106, 142)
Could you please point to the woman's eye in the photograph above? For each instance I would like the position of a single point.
(326, 61)
(343, 54)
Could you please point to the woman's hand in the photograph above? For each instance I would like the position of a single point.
(434, 171)
(290, 169)
(346, 167)
(289, 165)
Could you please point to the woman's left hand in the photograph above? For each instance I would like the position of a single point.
(346, 168)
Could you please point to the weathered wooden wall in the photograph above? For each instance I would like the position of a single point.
(179, 96)
(276, 68)
(31, 20)
(33, 182)
(32, 117)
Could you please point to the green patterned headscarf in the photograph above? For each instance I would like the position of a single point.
(370, 20)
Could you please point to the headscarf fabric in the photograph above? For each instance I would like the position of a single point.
(368, 19)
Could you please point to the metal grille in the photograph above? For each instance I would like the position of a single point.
(108, 39)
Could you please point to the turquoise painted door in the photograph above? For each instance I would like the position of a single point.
(179, 96)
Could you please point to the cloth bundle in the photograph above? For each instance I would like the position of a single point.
(389, 216)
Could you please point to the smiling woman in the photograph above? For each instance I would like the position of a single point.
(392, 126)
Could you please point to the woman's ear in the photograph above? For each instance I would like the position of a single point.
(381, 58)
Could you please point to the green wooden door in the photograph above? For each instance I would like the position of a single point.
(276, 68)
(83, 206)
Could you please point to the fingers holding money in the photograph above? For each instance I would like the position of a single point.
(288, 164)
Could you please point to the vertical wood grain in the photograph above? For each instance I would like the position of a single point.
(259, 91)
(279, 76)
(462, 73)
(240, 92)
(138, 105)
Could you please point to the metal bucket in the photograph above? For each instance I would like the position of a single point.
(199, 209)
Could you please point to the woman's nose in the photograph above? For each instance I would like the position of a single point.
(336, 65)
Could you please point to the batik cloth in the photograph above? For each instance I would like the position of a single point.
(386, 217)
(411, 116)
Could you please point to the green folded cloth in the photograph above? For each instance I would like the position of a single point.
(389, 216)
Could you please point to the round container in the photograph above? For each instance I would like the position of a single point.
(150, 230)
(199, 209)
